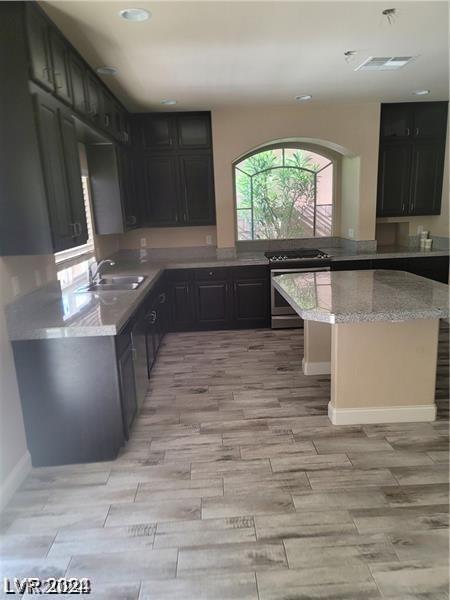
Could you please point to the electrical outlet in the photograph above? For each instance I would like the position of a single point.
(37, 278)
(351, 233)
(209, 240)
(143, 242)
(419, 229)
(15, 285)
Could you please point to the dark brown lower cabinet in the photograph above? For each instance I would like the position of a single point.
(127, 387)
(212, 304)
(431, 267)
(251, 302)
(222, 298)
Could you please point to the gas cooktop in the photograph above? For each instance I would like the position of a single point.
(298, 255)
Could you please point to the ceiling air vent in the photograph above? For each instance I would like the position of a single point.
(384, 63)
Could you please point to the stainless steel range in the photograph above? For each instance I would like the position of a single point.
(302, 260)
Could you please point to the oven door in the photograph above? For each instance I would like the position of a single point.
(283, 315)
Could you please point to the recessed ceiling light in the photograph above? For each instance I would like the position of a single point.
(421, 92)
(168, 102)
(303, 98)
(135, 15)
(106, 70)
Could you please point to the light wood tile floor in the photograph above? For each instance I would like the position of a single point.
(235, 486)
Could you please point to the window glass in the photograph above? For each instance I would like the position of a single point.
(284, 193)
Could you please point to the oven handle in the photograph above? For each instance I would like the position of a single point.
(306, 270)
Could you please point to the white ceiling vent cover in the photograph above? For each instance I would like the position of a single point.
(384, 63)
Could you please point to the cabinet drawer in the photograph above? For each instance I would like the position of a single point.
(351, 265)
(250, 272)
(179, 274)
(222, 273)
(396, 264)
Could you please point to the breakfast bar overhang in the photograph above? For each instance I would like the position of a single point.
(376, 332)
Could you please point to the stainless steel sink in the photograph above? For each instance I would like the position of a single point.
(113, 283)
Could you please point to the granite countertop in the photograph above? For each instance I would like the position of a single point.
(339, 253)
(52, 313)
(357, 296)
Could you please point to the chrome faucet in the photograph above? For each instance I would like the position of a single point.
(94, 275)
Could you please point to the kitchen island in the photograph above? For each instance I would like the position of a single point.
(376, 332)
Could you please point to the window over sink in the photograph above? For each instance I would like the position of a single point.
(284, 191)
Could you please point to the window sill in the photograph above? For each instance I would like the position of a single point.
(64, 262)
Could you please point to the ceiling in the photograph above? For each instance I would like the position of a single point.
(212, 54)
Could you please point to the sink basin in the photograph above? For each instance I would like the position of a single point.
(121, 279)
(113, 283)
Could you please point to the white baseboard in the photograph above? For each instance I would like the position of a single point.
(14, 479)
(316, 368)
(381, 414)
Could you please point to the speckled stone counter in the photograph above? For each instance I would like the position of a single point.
(52, 313)
(357, 296)
(376, 333)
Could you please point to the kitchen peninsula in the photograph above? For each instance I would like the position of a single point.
(376, 332)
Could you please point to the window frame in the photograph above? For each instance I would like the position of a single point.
(332, 156)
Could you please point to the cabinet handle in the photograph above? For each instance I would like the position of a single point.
(162, 298)
(58, 85)
(403, 207)
(132, 220)
(408, 131)
(78, 228)
(46, 73)
(107, 120)
(74, 229)
(417, 131)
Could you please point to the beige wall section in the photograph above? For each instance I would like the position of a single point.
(317, 348)
(169, 237)
(28, 272)
(352, 129)
(383, 364)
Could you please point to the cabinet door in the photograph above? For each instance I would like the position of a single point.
(73, 172)
(351, 265)
(158, 132)
(126, 181)
(396, 120)
(212, 304)
(181, 305)
(393, 179)
(161, 190)
(430, 119)
(251, 302)
(426, 178)
(38, 40)
(60, 64)
(93, 97)
(196, 174)
(432, 267)
(127, 389)
(52, 157)
(78, 81)
(107, 112)
(193, 130)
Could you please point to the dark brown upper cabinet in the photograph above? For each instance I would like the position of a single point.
(60, 66)
(94, 98)
(193, 130)
(161, 190)
(411, 158)
(62, 173)
(78, 81)
(196, 174)
(166, 131)
(39, 47)
(158, 131)
(173, 158)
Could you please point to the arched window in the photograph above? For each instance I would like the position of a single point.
(283, 192)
